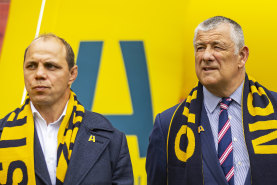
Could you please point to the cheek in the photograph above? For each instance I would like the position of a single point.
(197, 56)
(232, 64)
(197, 64)
(26, 78)
(27, 84)
(219, 57)
(197, 61)
(60, 82)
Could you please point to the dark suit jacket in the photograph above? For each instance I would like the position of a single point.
(156, 154)
(103, 162)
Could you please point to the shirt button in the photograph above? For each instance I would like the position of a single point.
(230, 117)
(235, 139)
(239, 163)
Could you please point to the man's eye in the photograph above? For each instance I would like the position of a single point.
(50, 66)
(31, 66)
(201, 48)
(218, 48)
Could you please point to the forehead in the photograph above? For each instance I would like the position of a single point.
(47, 45)
(221, 33)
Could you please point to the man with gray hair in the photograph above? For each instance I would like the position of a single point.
(222, 133)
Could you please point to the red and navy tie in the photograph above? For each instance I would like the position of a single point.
(225, 147)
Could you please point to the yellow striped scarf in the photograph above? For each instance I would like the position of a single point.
(259, 121)
(17, 143)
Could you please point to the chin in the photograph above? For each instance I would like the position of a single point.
(40, 101)
(209, 82)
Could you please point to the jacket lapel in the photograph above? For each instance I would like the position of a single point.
(41, 170)
(88, 147)
(208, 150)
(248, 178)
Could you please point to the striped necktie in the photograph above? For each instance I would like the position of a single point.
(225, 147)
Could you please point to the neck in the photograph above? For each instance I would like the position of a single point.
(226, 91)
(51, 113)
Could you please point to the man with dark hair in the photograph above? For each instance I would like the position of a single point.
(70, 58)
(223, 132)
(51, 138)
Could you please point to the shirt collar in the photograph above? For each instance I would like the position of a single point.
(211, 101)
(37, 115)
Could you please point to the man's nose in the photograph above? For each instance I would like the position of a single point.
(208, 54)
(40, 72)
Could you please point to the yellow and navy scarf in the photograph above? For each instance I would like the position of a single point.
(259, 120)
(17, 143)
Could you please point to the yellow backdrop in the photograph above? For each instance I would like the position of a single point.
(166, 30)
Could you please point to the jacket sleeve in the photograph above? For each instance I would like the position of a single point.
(123, 173)
(156, 155)
(156, 162)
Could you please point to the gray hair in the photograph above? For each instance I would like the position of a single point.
(211, 23)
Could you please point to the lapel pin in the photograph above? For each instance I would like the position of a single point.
(92, 138)
(200, 129)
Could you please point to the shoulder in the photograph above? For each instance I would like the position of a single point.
(163, 119)
(99, 123)
(161, 125)
(168, 112)
(101, 126)
(95, 120)
(274, 94)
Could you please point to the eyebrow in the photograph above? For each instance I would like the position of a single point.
(29, 61)
(217, 42)
(212, 43)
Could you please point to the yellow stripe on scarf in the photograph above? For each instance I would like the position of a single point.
(67, 136)
(16, 148)
(258, 111)
(17, 143)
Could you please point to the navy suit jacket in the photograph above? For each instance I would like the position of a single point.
(103, 162)
(156, 154)
(156, 167)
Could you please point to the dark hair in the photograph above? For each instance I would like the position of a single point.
(69, 51)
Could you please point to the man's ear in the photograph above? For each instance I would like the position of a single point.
(73, 74)
(243, 54)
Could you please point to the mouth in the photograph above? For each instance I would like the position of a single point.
(40, 88)
(209, 68)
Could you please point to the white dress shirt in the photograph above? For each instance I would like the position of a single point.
(47, 135)
(240, 154)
